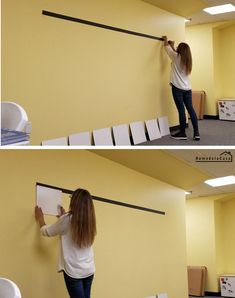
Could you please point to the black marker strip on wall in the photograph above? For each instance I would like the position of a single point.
(72, 19)
(67, 191)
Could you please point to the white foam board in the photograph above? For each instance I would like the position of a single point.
(153, 129)
(163, 126)
(121, 135)
(56, 142)
(103, 137)
(49, 200)
(80, 139)
(138, 132)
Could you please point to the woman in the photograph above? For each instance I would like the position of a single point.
(181, 87)
(77, 230)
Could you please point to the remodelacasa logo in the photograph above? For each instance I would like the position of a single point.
(225, 156)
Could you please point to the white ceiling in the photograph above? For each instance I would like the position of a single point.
(193, 9)
(214, 169)
(178, 167)
(201, 17)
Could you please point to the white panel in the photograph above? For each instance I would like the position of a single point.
(164, 126)
(80, 139)
(162, 295)
(56, 142)
(227, 285)
(226, 109)
(121, 135)
(49, 200)
(153, 129)
(103, 137)
(138, 132)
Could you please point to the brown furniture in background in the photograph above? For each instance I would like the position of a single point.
(198, 98)
(196, 280)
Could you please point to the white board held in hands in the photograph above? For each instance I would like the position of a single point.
(49, 200)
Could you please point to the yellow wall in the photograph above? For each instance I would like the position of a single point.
(218, 220)
(210, 242)
(227, 61)
(228, 238)
(137, 254)
(200, 233)
(200, 40)
(71, 77)
(218, 74)
(213, 61)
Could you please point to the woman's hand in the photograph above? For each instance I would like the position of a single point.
(38, 213)
(61, 211)
(172, 44)
(39, 216)
(165, 40)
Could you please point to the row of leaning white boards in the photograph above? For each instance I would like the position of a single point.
(119, 135)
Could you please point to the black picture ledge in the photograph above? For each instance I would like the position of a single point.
(108, 201)
(214, 294)
(90, 23)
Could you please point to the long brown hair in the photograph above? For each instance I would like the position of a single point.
(83, 220)
(186, 57)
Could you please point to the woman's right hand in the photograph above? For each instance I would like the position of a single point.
(172, 44)
(61, 211)
(164, 37)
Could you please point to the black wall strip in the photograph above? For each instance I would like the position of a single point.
(214, 294)
(72, 19)
(67, 191)
(212, 117)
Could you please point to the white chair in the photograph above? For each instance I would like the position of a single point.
(80, 139)
(103, 137)
(14, 117)
(121, 135)
(8, 289)
(56, 142)
(153, 129)
(164, 126)
(138, 132)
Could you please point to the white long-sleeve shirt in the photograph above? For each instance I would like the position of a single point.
(178, 76)
(76, 262)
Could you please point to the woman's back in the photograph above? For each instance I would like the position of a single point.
(75, 261)
(179, 77)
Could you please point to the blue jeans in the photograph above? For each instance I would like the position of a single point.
(78, 287)
(183, 98)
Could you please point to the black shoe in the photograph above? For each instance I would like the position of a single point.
(179, 136)
(196, 136)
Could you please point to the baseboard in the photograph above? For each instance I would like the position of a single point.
(213, 117)
(215, 294)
